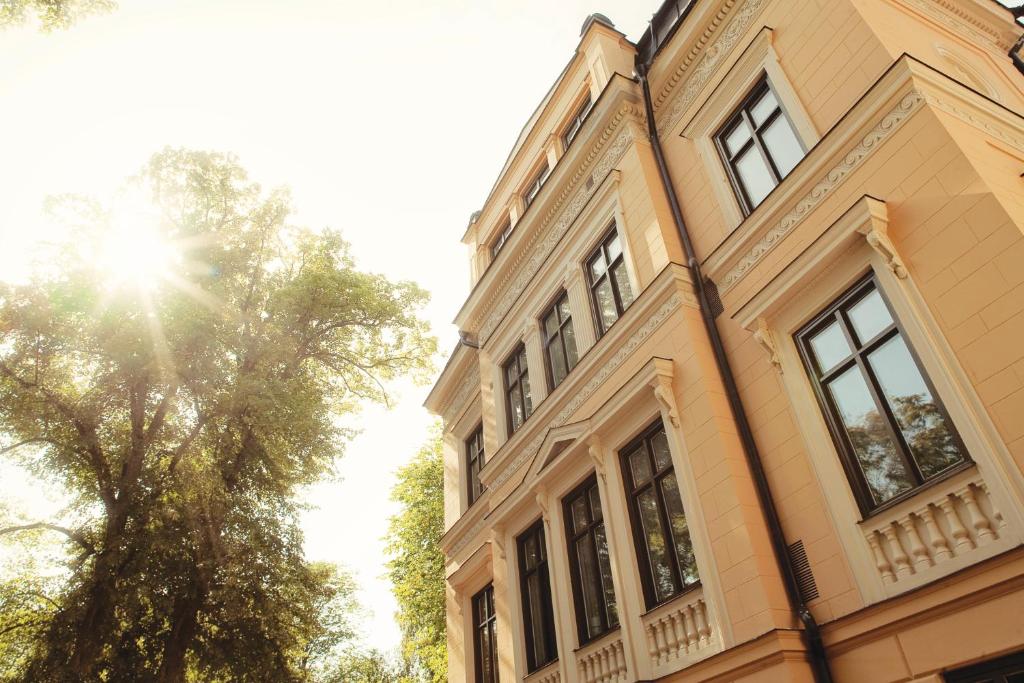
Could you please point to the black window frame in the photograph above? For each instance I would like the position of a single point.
(837, 311)
(575, 123)
(533, 188)
(558, 338)
(522, 372)
(475, 454)
(602, 250)
(547, 619)
(742, 113)
(609, 613)
(484, 619)
(991, 671)
(503, 234)
(633, 492)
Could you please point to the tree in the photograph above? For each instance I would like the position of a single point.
(51, 14)
(184, 391)
(416, 564)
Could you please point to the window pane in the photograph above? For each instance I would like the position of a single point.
(884, 469)
(622, 283)
(558, 369)
(595, 504)
(737, 137)
(657, 551)
(590, 585)
(511, 373)
(662, 456)
(563, 309)
(614, 247)
(606, 575)
(680, 530)
(764, 107)
(754, 175)
(522, 360)
(640, 466)
(486, 656)
(783, 145)
(516, 406)
(530, 555)
(869, 316)
(551, 325)
(569, 337)
(580, 518)
(605, 304)
(830, 347)
(931, 441)
(526, 396)
(597, 265)
(536, 620)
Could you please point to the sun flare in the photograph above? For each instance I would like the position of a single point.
(135, 251)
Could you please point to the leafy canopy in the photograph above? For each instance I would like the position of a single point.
(183, 380)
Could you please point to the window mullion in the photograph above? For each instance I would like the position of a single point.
(890, 419)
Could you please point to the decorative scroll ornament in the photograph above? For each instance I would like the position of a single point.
(663, 393)
(879, 241)
(498, 541)
(763, 336)
(597, 455)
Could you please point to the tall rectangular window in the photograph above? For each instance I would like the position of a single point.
(610, 291)
(891, 430)
(759, 146)
(475, 462)
(559, 341)
(485, 644)
(518, 402)
(535, 586)
(503, 235)
(589, 563)
(576, 122)
(660, 532)
(533, 189)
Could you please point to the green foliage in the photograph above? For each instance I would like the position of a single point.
(416, 565)
(50, 14)
(184, 416)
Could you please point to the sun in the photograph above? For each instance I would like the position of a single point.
(135, 250)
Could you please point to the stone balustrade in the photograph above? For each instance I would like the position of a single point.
(952, 520)
(549, 674)
(678, 629)
(603, 661)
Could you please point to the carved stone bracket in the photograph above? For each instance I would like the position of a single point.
(498, 541)
(597, 455)
(879, 241)
(662, 386)
(763, 336)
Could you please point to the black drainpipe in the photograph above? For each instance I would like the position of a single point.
(812, 633)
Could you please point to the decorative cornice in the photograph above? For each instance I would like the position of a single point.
(953, 15)
(714, 55)
(469, 386)
(624, 351)
(698, 47)
(559, 218)
(835, 177)
(969, 117)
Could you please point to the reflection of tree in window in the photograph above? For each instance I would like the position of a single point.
(893, 432)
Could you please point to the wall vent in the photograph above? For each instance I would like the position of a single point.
(714, 300)
(802, 568)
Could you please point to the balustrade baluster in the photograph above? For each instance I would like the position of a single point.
(961, 538)
(940, 548)
(982, 527)
(882, 563)
(899, 556)
(918, 550)
(703, 624)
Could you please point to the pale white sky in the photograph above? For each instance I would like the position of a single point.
(388, 120)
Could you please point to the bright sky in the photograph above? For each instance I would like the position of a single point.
(388, 120)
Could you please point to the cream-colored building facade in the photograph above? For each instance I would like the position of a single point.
(741, 393)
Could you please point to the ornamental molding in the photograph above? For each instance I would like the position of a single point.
(712, 58)
(833, 179)
(698, 46)
(558, 219)
(954, 16)
(624, 351)
(468, 388)
(971, 118)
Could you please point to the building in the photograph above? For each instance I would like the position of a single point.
(741, 393)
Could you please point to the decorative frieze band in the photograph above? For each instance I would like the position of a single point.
(467, 389)
(826, 186)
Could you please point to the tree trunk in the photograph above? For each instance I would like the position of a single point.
(183, 630)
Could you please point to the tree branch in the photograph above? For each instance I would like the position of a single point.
(75, 536)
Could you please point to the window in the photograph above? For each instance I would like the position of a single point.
(517, 389)
(660, 532)
(503, 235)
(609, 283)
(589, 563)
(538, 618)
(475, 462)
(533, 189)
(576, 122)
(759, 146)
(559, 341)
(1009, 669)
(892, 432)
(485, 645)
